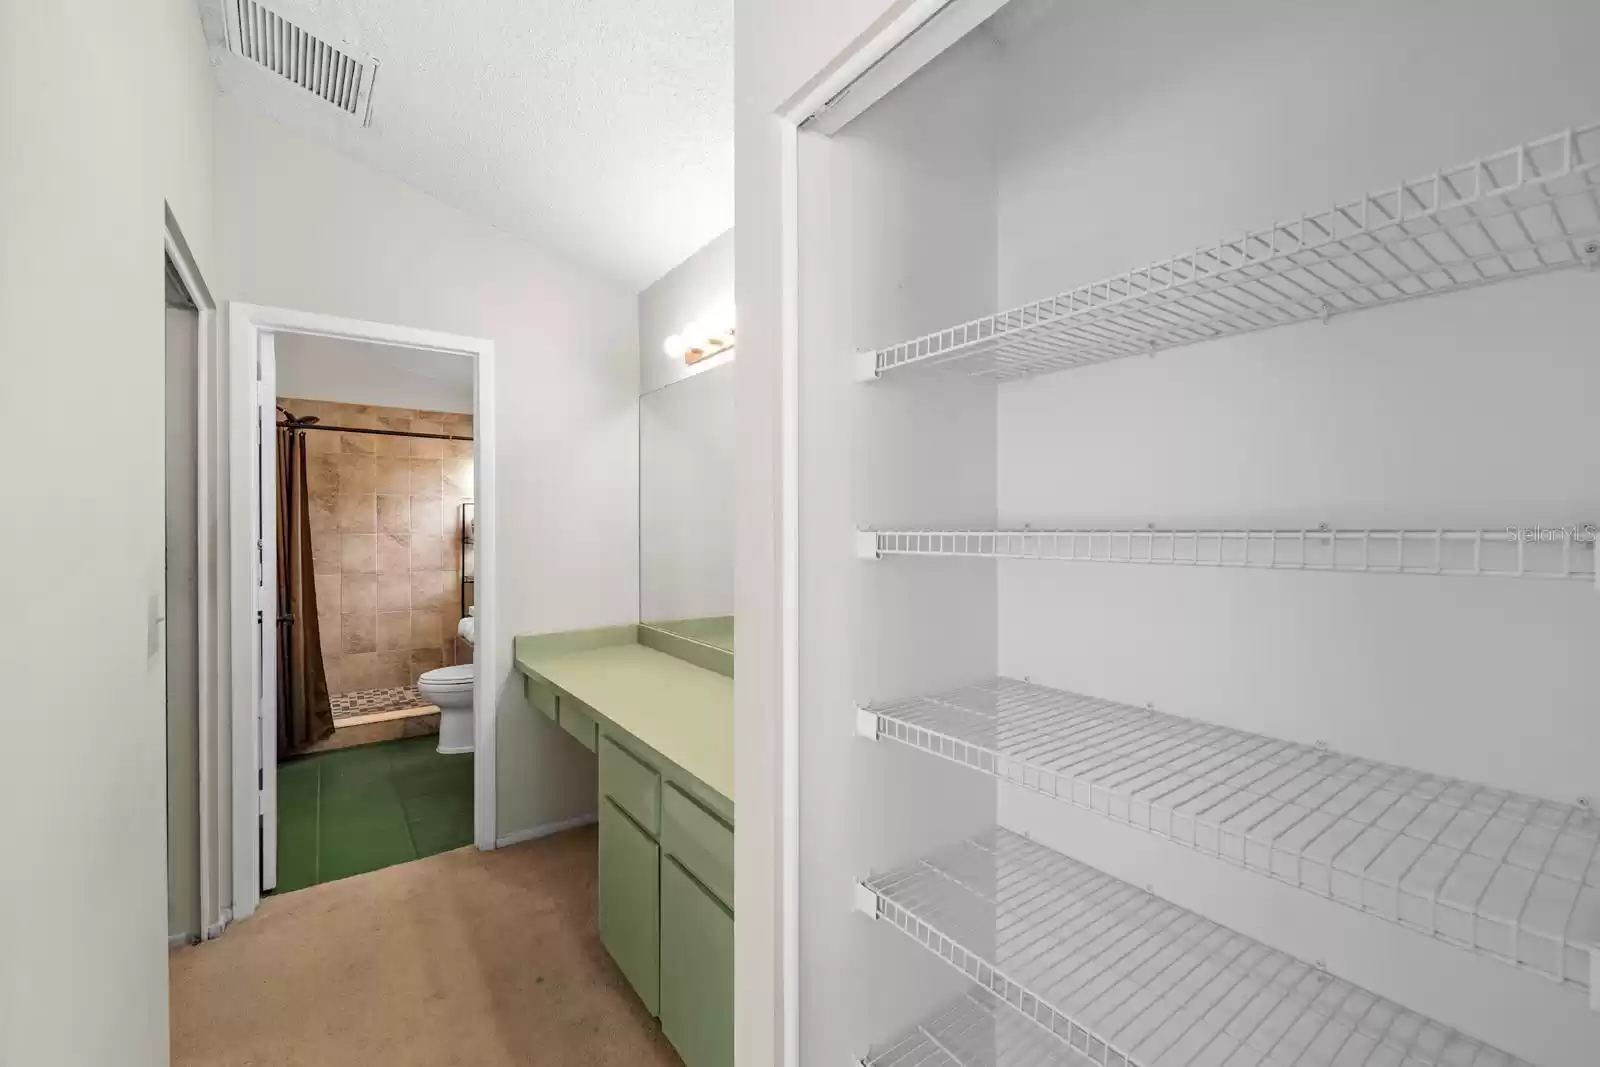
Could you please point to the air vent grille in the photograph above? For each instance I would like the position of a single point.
(334, 73)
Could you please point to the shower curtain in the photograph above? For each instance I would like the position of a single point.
(305, 712)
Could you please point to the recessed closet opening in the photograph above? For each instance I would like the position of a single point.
(1197, 513)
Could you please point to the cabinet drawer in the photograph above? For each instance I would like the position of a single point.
(577, 720)
(699, 840)
(696, 970)
(540, 695)
(630, 902)
(632, 784)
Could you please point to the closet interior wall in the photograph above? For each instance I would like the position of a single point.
(875, 267)
(1033, 157)
(1473, 409)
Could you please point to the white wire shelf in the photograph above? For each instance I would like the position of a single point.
(977, 1030)
(1127, 979)
(1524, 211)
(1511, 876)
(1563, 554)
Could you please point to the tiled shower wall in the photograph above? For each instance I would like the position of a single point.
(385, 541)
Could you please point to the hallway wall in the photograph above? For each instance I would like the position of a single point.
(94, 149)
(566, 347)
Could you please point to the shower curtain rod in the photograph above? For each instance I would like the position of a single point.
(298, 425)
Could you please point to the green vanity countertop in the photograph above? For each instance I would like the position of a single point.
(682, 712)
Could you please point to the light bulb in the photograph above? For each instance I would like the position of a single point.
(675, 346)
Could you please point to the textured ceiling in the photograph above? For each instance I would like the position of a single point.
(601, 130)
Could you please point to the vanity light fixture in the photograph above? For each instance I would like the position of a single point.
(709, 336)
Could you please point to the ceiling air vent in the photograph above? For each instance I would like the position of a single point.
(338, 75)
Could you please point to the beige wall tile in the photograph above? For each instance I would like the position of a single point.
(359, 671)
(356, 514)
(425, 629)
(394, 668)
(358, 594)
(361, 444)
(394, 591)
(394, 514)
(429, 590)
(457, 477)
(426, 516)
(452, 521)
(393, 475)
(430, 554)
(358, 555)
(425, 659)
(327, 592)
(358, 474)
(334, 670)
(427, 477)
(393, 553)
(321, 442)
(327, 554)
(359, 633)
(397, 447)
(380, 507)
(322, 475)
(394, 631)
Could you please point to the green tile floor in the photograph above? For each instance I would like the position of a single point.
(358, 809)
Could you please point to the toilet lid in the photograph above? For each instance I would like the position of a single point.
(458, 675)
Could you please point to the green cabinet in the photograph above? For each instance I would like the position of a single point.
(630, 901)
(696, 970)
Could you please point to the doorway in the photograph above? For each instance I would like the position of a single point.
(307, 483)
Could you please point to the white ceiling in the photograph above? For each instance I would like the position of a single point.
(601, 130)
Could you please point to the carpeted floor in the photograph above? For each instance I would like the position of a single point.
(465, 959)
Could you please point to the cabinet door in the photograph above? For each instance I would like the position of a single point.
(630, 902)
(696, 970)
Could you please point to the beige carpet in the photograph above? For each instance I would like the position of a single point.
(465, 959)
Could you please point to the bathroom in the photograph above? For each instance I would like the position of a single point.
(375, 529)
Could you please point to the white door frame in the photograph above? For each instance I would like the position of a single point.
(211, 654)
(250, 329)
(911, 36)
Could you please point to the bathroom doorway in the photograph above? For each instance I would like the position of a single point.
(370, 742)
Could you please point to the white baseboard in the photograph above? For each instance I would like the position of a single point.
(536, 832)
(180, 940)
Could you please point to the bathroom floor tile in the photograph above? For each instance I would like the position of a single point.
(359, 809)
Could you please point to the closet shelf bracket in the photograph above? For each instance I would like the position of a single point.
(867, 544)
(1591, 254)
(866, 367)
(866, 724)
(866, 901)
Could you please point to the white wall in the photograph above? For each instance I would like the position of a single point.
(779, 46)
(92, 149)
(1470, 410)
(354, 372)
(700, 284)
(687, 452)
(567, 385)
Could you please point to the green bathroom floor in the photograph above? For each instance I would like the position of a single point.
(355, 810)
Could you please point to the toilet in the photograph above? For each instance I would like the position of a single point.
(450, 690)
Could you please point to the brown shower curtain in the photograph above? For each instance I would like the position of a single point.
(305, 713)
